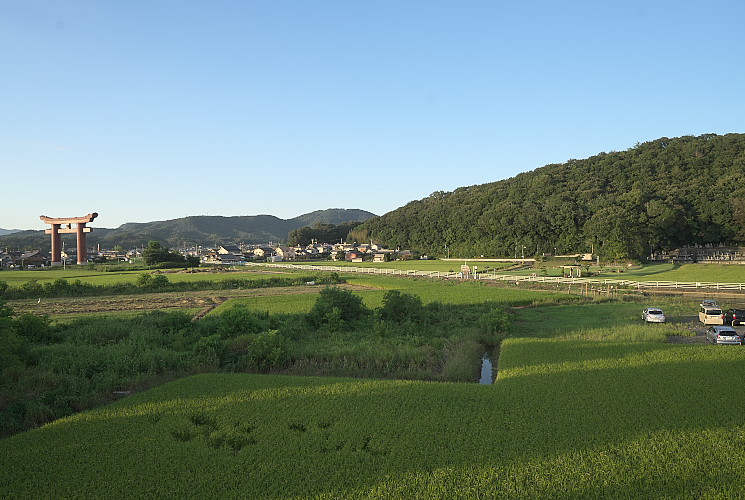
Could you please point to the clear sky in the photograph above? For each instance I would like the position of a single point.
(146, 110)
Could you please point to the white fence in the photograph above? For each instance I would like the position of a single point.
(515, 278)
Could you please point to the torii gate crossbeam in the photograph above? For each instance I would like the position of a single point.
(58, 227)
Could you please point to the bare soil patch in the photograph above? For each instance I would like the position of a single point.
(204, 300)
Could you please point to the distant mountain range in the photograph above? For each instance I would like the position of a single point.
(3, 232)
(190, 231)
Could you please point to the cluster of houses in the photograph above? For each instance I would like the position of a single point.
(222, 255)
(227, 254)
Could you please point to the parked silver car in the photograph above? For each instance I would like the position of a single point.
(723, 335)
(653, 315)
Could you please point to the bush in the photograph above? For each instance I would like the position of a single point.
(400, 307)
(493, 326)
(152, 281)
(334, 305)
(32, 288)
(34, 328)
(241, 320)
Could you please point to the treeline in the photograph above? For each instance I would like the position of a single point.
(659, 195)
(320, 233)
(49, 371)
(155, 282)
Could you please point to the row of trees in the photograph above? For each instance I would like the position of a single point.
(658, 195)
(156, 254)
(320, 232)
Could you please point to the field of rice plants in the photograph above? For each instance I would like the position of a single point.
(372, 289)
(589, 402)
(592, 420)
(94, 277)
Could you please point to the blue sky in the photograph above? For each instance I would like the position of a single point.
(153, 110)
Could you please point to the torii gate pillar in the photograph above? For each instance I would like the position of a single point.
(58, 227)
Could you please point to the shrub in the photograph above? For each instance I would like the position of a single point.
(493, 326)
(399, 307)
(241, 320)
(34, 328)
(32, 287)
(152, 281)
(335, 304)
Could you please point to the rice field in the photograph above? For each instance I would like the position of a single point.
(18, 278)
(372, 288)
(580, 419)
(589, 402)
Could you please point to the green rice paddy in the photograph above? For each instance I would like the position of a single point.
(589, 402)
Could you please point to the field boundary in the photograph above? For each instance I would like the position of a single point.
(626, 284)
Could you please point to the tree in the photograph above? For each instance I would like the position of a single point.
(156, 254)
(335, 304)
(400, 307)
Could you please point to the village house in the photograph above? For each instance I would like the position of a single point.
(285, 253)
(32, 258)
(263, 252)
(355, 256)
(229, 249)
(382, 255)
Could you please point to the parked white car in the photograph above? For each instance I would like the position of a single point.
(723, 335)
(653, 315)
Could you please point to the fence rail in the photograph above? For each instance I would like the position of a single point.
(513, 278)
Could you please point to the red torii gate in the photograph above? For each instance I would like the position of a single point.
(58, 227)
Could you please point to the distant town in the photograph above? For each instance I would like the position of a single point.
(223, 255)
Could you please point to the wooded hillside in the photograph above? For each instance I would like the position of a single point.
(657, 195)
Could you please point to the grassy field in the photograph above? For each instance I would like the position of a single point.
(721, 273)
(17, 278)
(649, 272)
(589, 402)
(418, 265)
(372, 288)
(579, 419)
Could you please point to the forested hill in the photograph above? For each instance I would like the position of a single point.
(201, 230)
(660, 194)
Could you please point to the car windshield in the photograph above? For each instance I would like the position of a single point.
(655, 311)
(727, 333)
(713, 311)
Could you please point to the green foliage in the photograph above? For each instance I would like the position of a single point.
(32, 288)
(320, 233)
(239, 321)
(143, 282)
(153, 281)
(35, 328)
(662, 194)
(335, 304)
(10, 344)
(156, 254)
(399, 307)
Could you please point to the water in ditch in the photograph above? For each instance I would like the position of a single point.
(487, 375)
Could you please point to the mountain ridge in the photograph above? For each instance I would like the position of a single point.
(205, 230)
